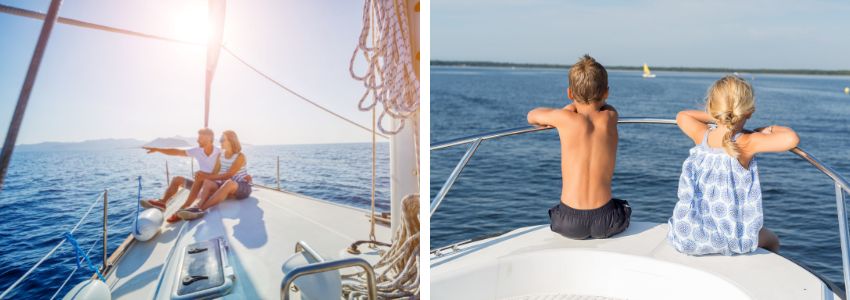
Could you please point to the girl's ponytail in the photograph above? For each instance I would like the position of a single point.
(730, 100)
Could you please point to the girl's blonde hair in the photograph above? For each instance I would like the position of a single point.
(731, 100)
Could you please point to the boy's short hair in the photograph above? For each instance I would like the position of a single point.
(588, 80)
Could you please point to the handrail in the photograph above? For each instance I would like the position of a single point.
(841, 184)
(324, 266)
(302, 246)
(527, 129)
(46, 256)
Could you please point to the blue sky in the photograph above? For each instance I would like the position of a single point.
(724, 33)
(95, 84)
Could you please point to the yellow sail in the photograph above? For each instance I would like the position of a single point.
(646, 69)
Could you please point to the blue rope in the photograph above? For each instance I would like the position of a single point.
(138, 207)
(80, 253)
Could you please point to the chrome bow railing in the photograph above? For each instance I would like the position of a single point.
(841, 185)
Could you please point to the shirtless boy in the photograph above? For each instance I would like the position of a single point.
(588, 132)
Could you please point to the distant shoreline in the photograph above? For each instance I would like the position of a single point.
(448, 63)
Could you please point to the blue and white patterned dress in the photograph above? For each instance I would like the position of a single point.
(719, 208)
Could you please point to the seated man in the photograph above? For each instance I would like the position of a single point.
(588, 132)
(206, 154)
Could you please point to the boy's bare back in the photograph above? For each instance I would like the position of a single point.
(588, 132)
(589, 137)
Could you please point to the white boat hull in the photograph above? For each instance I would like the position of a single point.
(533, 262)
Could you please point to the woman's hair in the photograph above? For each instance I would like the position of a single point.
(730, 101)
(233, 140)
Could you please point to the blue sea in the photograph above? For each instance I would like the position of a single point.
(46, 193)
(511, 182)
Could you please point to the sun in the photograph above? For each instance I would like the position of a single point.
(191, 23)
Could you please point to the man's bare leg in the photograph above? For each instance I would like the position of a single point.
(193, 193)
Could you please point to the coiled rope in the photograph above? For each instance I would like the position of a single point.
(390, 77)
(397, 272)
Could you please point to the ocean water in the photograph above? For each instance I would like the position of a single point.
(46, 193)
(513, 181)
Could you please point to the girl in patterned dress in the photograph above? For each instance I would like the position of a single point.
(719, 209)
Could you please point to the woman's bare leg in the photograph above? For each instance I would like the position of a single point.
(768, 240)
(209, 188)
(226, 189)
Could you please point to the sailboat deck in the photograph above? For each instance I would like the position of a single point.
(636, 264)
(261, 231)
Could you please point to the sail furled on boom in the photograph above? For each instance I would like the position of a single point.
(216, 26)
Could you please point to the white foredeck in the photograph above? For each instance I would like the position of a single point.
(533, 262)
(261, 231)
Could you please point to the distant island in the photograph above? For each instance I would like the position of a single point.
(108, 144)
(639, 68)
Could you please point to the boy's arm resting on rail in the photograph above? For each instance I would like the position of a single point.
(693, 123)
(774, 139)
(554, 117)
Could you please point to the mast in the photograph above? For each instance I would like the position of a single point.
(404, 177)
(216, 22)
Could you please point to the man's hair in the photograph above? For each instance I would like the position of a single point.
(206, 131)
(588, 80)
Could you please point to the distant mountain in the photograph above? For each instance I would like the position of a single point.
(109, 144)
(90, 145)
(172, 142)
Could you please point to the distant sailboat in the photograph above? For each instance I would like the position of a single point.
(646, 73)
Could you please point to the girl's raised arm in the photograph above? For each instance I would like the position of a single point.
(693, 123)
(773, 139)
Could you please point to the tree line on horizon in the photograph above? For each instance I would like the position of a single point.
(640, 68)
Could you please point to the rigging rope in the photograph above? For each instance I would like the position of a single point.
(74, 22)
(269, 78)
(392, 82)
(397, 89)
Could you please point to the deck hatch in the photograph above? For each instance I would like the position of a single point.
(204, 271)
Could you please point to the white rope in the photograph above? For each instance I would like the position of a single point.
(390, 77)
(397, 272)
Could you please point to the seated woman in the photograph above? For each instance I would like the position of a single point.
(229, 179)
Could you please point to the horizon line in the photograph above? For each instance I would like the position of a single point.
(485, 63)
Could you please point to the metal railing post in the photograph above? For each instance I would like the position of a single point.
(105, 230)
(845, 237)
(454, 175)
(278, 172)
(167, 174)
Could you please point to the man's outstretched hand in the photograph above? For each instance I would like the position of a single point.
(150, 149)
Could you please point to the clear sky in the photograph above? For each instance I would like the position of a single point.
(724, 33)
(95, 84)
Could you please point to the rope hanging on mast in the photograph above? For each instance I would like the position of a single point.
(391, 76)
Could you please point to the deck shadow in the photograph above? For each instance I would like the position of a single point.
(251, 229)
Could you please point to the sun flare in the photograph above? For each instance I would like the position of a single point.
(192, 24)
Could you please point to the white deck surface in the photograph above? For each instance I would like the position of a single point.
(533, 262)
(261, 230)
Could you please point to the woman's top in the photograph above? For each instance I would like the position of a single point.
(226, 163)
